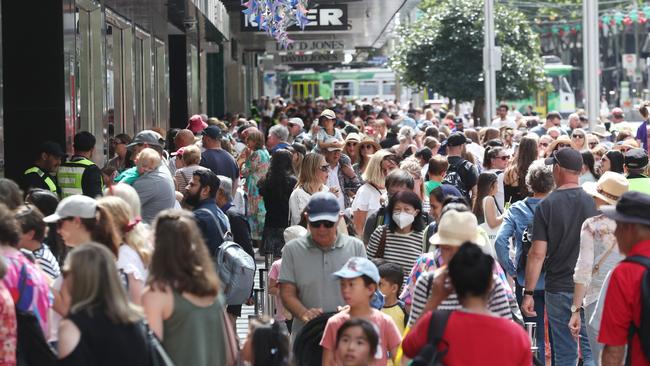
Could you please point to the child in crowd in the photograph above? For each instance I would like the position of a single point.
(267, 344)
(148, 160)
(359, 280)
(356, 343)
(281, 314)
(390, 284)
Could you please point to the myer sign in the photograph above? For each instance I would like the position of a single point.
(321, 45)
(313, 58)
(323, 18)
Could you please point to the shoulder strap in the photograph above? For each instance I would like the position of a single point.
(602, 259)
(425, 239)
(496, 204)
(382, 242)
(437, 325)
(216, 222)
(639, 259)
(645, 295)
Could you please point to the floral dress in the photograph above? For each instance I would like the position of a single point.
(7, 328)
(255, 168)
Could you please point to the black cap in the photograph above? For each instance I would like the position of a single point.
(631, 208)
(52, 148)
(567, 158)
(456, 139)
(636, 158)
(213, 132)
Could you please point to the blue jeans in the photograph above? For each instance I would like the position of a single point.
(538, 296)
(565, 347)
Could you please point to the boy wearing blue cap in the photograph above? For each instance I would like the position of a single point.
(359, 280)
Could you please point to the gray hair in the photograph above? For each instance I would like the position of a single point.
(279, 131)
(539, 178)
(400, 177)
(225, 186)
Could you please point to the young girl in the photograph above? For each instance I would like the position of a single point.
(359, 280)
(267, 344)
(356, 343)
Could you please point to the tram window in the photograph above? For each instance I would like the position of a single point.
(368, 88)
(564, 84)
(388, 88)
(342, 88)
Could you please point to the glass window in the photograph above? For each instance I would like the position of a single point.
(368, 88)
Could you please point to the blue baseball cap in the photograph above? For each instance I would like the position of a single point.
(357, 267)
(323, 206)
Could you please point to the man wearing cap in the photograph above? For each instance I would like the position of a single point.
(40, 175)
(306, 286)
(155, 188)
(622, 312)
(636, 161)
(80, 175)
(556, 245)
(296, 130)
(277, 139)
(217, 159)
(461, 173)
(341, 179)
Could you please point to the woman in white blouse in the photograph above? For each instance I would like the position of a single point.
(598, 253)
(312, 179)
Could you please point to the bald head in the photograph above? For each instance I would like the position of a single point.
(183, 138)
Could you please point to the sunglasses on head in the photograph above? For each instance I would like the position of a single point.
(317, 224)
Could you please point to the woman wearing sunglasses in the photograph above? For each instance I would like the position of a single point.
(312, 179)
(613, 161)
(369, 196)
(561, 142)
(367, 147)
(351, 148)
(579, 139)
(495, 160)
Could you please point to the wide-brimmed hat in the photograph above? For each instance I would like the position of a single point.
(455, 228)
(353, 137)
(601, 131)
(631, 208)
(609, 188)
(367, 140)
(196, 124)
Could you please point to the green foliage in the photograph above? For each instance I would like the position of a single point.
(443, 51)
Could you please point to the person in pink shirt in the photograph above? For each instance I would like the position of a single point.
(359, 280)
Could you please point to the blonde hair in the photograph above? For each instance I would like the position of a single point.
(128, 194)
(412, 166)
(191, 155)
(96, 285)
(134, 234)
(374, 174)
(257, 137)
(148, 158)
(309, 170)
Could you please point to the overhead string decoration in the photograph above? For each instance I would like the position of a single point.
(276, 16)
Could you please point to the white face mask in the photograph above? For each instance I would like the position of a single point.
(403, 219)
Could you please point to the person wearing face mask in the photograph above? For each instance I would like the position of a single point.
(400, 241)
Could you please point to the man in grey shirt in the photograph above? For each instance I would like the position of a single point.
(307, 287)
(155, 188)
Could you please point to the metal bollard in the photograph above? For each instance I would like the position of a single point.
(268, 260)
(258, 301)
(270, 305)
(263, 274)
(531, 329)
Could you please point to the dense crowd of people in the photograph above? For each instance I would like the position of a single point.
(399, 236)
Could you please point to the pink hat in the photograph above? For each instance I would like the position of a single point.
(196, 124)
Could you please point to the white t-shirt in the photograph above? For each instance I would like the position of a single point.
(298, 201)
(130, 262)
(499, 123)
(368, 199)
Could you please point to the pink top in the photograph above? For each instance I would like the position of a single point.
(24, 277)
(389, 337)
(7, 328)
(274, 274)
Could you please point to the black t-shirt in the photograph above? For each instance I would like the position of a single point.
(466, 170)
(276, 201)
(33, 180)
(558, 220)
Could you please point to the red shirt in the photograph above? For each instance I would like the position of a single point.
(623, 304)
(474, 339)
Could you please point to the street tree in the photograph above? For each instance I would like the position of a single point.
(442, 51)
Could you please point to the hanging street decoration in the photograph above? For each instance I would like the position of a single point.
(275, 16)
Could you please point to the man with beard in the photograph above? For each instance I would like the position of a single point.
(201, 194)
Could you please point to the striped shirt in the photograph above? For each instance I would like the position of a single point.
(47, 262)
(497, 302)
(401, 249)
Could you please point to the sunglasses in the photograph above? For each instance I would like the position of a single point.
(324, 168)
(578, 136)
(367, 147)
(560, 146)
(545, 144)
(593, 144)
(318, 224)
(351, 144)
(504, 158)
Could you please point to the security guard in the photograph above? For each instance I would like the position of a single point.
(80, 175)
(636, 161)
(43, 174)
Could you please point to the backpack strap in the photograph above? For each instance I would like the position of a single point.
(437, 326)
(645, 302)
(227, 236)
(382, 242)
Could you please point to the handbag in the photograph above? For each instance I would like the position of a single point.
(382, 243)
(232, 343)
(157, 354)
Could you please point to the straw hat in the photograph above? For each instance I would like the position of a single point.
(369, 140)
(609, 188)
(455, 228)
(562, 139)
(601, 131)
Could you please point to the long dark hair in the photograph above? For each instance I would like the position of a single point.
(270, 345)
(103, 230)
(490, 153)
(588, 160)
(410, 198)
(280, 171)
(484, 185)
(526, 154)
(616, 160)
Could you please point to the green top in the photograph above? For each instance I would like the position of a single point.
(640, 184)
(193, 335)
(430, 185)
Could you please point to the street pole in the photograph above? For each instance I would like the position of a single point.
(491, 62)
(591, 60)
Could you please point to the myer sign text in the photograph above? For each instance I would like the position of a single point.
(323, 18)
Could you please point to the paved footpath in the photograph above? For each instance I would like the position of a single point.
(242, 321)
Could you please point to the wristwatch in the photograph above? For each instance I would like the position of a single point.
(529, 292)
(575, 309)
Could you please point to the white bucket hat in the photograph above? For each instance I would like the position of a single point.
(455, 228)
(609, 188)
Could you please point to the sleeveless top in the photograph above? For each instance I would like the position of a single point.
(103, 342)
(193, 335)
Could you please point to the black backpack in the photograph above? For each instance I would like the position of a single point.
(643, 330)
(527, 242)
(429, 354)
(453, 178)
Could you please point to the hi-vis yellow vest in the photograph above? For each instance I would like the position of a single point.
(70, 174)
(48, 180)
(640, 185)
